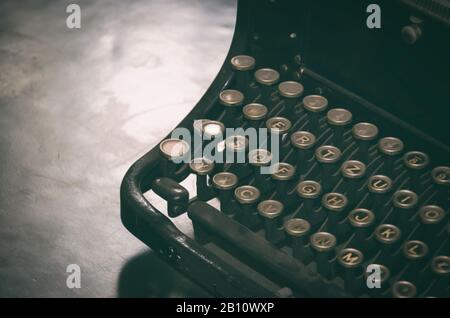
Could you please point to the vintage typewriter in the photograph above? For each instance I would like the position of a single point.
(358, 204)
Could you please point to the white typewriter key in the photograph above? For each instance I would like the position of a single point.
(254, 113)
(334, 205)
(415, 162)
(202, 167)
(353, 172)
(271, 211)
(298, 230)
(390, 148)
(225, 183)
(257, 159)
(309, 191)
(405, 202)
(247, 197)
(303, 143)
(324, 245)
(282, 174)
(314, 105)
(351, 260)
(362, 222)
(379, 187)
(364, 134)
(339, 119)
(173, 152)
(404, 289)
(328, 158)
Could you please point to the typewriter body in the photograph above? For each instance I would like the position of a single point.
(358, 204)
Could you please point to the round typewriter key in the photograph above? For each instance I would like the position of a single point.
(309, 191)
(364, 134)
(404, 289)
(303, 142)
(404, 202)
(236, 147)
(441, 177)
(232, 100)
(210, 132)
(440, 265)
(431, 214)
(290, 91)
(243, 62)
(271, 211)
(315, 105)
(298, 229)
(334, 204)
(416, 162)
(390, 148)
(324, 245)
(328, 157)
(254, 113)
(440, 270)
(248, 196)
(388, 236)
(202, 167)
(338, 119)
(353, 172)
(267, 76)
(283, 173)
(278, 127)
(172, 153)
(378, 276)
(362, 221)
(258, 158)
(415, 252)
(236, 143)
(379, 187)
(224, 183)
(350, 260)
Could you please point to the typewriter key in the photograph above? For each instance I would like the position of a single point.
(416, 162)
(404, 289)
(390, 148)
(379, 187)
(243, 62)
(362, 221)
(388, 236)
(260, 158)
(283, 173)
(324, 245)
(441, 177)
(309, 191)
(440, 265)
(248, 196)
(338, 119)
(266, 77)
(224, 183)
(440, 269)
(210, 132)
(236, 147)
(278, 127)
(315, 105)
(432, 221)
(404, 202)
(271, 211)
(254, 113)
(232, 100)
(303, 142)
(351, 260)
(416, 253)
(173, 153)
(291, 91)
(353, 172)
(377, 277)
(334, 204)
(328, 157)
(298, 230)
(202, 167)
(364, 134)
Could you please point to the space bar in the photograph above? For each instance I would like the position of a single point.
(291, 271)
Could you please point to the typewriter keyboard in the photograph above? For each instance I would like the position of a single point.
(349, 210)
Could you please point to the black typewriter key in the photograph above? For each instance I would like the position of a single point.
(328, 158)
(390, 148)
(282, 175)
(298, 230)
(202, 167)
(232, 100)
(334, 205)
(290, 91)
(388, 237)
(278, 129)
(416, 253)
(405, 202)
(362, 222)
(173, 152)
(315, 105)
(403, 289)
(303, 143)
(309, 192)
(324, 245)
(416, 162)
(432, 219)
(242, 65)
(236, 148)
(440, 269)
(225, 183)
(257, 159)
(210, 132)
(271, 212)
(338, 119)
(247, 197)
(441, 178)
(364, 134)
(266, 78)
(377, 279)
(255, 113)
(353, 172)
(379, 187)
(350, 261)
